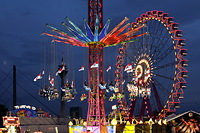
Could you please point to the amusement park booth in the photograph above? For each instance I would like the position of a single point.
(12, 124)
(26, 119)
(188, 122)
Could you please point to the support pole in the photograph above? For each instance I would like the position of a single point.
(14, 87)
(156, 96)
(131, 110)
(142, 110)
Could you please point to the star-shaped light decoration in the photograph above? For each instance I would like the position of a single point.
(78, 38)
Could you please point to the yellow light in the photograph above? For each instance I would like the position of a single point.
(150, 121)
(160, 122)
(114, 122)
(127, 123)
(84, 123)
(165, 121)
(70, 123)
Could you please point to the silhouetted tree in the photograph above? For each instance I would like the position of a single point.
(3, 111)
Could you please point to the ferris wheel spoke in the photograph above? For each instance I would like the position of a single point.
(144, 40)
(152, 34)
(160, 46)
(153, 103)
(164, 55)
(161, 87)
(165, 65)
(156, 36)
(132, 53)
(128, 76)
(130, 57)
(163, 76)
(146, 44)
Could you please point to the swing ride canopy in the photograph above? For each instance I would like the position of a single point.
(78, 38)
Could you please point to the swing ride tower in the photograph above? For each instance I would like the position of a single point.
(95, 39)
(96, 112)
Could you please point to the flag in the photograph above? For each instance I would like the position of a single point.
(94, 65)
(43, 72)
(147, 72)
(82, 68)
(38, 77)
(129, 70)
(109, 68)
(61, 69)
(127, 67)
(135, 79)
(123, 82)
(52, 81)
(49, 76)
(72, 84)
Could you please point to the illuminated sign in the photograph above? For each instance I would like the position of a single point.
(24, 112)
(11, 121)
(25, 107)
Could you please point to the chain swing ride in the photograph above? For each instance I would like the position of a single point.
(153, 46)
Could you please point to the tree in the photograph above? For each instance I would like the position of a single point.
(3, 110)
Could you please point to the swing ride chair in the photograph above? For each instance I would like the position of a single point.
(151, 58)
(50, 93)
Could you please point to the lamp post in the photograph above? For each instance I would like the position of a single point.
(114, 123)
(70, 127)
(150, 123)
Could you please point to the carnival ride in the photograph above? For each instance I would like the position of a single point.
(95, 42)
(156, 67)
(155, 74)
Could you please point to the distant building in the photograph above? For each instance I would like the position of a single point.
(76, 112)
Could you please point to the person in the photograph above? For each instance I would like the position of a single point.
(87, 88)
(112, 97)
(111, 86)
(83, 97)
(41, 93)
(45, 90)
(102, 85)
(56, 93)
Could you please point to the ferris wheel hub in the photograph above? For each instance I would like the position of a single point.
(142, 68)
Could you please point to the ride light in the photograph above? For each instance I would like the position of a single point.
(175, 26)
(183, 52)
(184, 74)
(170, 20)
(176, 105)
(184, 63)
(181, 42)
(178, 33)
(180, 96)
(182, 85)
(160, 13)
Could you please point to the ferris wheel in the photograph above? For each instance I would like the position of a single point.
(154, 66)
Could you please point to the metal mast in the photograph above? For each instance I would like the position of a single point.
(96, 112)
(95, 8)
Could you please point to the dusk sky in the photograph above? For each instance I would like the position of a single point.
(21, 43)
